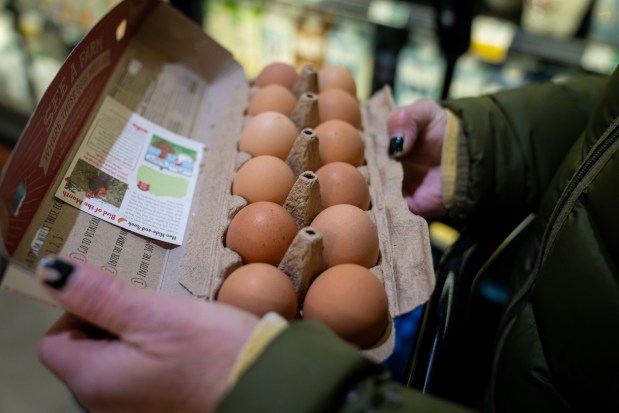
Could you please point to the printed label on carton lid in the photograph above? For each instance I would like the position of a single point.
(135, 174)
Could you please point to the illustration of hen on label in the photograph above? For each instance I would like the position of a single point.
(135, 174)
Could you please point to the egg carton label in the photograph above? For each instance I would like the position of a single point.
(135, 174)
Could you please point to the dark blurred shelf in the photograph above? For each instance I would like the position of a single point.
(567, 52)
(12, 123)
(409, 14)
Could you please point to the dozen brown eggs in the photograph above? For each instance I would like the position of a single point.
(346, 295)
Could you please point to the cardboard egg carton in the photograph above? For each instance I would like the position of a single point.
(154, 62)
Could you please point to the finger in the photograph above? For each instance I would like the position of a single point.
(79, 328)
(69, 322)
(405, 124)
(69, 351)
(96, 296)
(402, 131)
(427, 201)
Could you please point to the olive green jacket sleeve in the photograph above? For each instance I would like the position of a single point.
(513, 141)
(307, 369)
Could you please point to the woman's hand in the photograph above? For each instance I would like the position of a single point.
(122, 349)
(417, 132)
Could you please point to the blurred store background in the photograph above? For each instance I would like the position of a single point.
(409, 45)
(424, 48)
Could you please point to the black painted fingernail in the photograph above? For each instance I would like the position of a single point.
(396, 145)
(55, 272)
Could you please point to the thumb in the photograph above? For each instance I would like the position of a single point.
(402, 131)
(95, 296)
(406, 123)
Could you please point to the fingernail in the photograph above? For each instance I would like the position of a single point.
(55, 272)
(396, 145)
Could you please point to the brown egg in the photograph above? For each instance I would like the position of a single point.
(337, 104)
(277, 73)
(337, 77)
(342, 183)
(274, 98)
(351, 301)
(263, 178)
(268, 133)
(260, 288)
(349, 236)
(261, 232)
(339, 141)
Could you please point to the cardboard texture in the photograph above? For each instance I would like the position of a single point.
(152, 60)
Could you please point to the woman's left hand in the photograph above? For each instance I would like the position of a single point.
(122, 349)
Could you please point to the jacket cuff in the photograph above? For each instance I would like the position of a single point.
(269, 327)
(305, 369)
(450, 158)
(308, 369)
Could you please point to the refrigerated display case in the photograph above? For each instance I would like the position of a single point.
(381, 41)
(525, 53)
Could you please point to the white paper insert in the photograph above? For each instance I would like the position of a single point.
(135, 174)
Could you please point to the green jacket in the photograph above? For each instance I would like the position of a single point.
(548, 149)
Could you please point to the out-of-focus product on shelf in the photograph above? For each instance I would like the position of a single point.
(600, 57)
(279, 31)
(472, 77)
(73, 18)
(312, 31)
(350, 43)
(43, 69)
(515, 72)
(31, 23)
(557, 18)
(237, 26)
(420, 69)
(491, 38)
(14, 88)
(605, 21)
(220, 21)
(7, 33)
(389, 13)
(262, 33)
(31, 57)
(45, 55)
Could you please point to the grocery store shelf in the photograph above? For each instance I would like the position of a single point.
(563, 51)
(410, 15)
(405, 15)
(402, 14)
(351, 8)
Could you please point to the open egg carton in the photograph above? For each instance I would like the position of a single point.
(404, 266)
(137, 55)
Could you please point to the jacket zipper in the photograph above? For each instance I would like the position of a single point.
(583, 176)
(602, 151)
(577, 184)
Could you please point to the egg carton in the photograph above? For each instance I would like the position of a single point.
(127, 52)
(404, 266)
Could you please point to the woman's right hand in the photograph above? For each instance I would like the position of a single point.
(417, 132)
